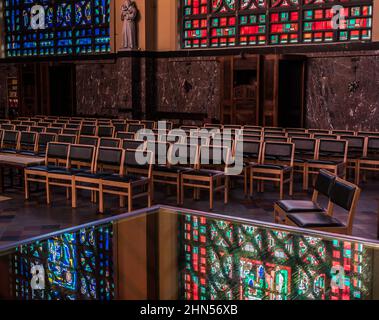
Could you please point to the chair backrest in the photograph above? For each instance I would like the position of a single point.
(324, 136)
(75, 126)
(324, 183)
(131, 160)
(133, 144)
(278, 151)
(305, 148)
(250, 137)
(120, 126)
(74, 132)
(345, 195)
(22, 128)
(134, 127)
(298, 134)
(57, 152)
(81, 156)
(356, 145)
(251, 149)
(89, 140)
(54, 130)
(68, 138)
(43, 140)
(368, 133)
(10, 139)
(159, 151)
(105, 131)
(43, 124)
(274, 134)
(296, 130)
(273, 129)
(336, 149)
(343, 132)
(110, 142)
(28, 141)
(109, 158)
(250, 132)
(318, 131)
(183, 154)
(125, 135)
(88, 130)
(276, 138)
(10, 127)
(37, 129)
(57, 125)
(373, 147)
(148, 124)
(249, 127)
(214, 156)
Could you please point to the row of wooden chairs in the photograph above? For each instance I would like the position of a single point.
(310, 214)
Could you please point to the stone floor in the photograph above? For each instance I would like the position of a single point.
(21, 219)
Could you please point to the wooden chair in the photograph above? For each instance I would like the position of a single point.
(8, 127)
(27, 143)
(68, 138)
(125, 135)
(296, 130)
(355, 151)
(318, 131)
(55, 158)
(208, 179)
(148, 124)
(37, 129)
(81, 158)
(105, 131)
(370, 160)
(342, 194)
(298, 135)
(275, 139)
(128, 184)
(88, 140)
(324, 183)
(331, 155)
(43, 139)
(343, 132)
(88, 130)
(305, 150)
(108, 161)
(276, 164)
(22, 128)
(120, 127)
(135, 127)
(53, 130)
(9, 141)
(110, 142)
(133, 144)
(368, 134)
(73, 126)
(324, 136)
(250, 151)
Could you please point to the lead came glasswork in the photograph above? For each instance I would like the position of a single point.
(229, 23)
(71, 27)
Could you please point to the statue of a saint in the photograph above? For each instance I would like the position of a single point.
(128, 16)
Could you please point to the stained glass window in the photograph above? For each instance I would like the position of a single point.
(70, 27)
(77, 265)
(225, 260)
(229, 23)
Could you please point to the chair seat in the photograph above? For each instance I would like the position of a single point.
(327, 162)
(172, 169)
(292, 206)
(206, 173)
(127, 178)
(8, 150)
(45, 168)
(65, 171)
(272, 166)
(314, 220)
(27, 153)
(89, 174)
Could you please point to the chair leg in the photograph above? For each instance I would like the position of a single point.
(281, 186)
(251, 183)
(130, 199)
(101, 198)
(149, 194)
(211, 194)
(122, 201)
(73, 192)
(178, 190)
(357, 172)
(26, 186)
(305, 178)
(47, 191)
(291, 184)
(226, 190)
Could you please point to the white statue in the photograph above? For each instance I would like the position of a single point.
(128, 16)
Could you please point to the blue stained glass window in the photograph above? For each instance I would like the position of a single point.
(71, 27)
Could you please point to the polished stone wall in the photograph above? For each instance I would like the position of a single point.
(343, 91)
(188, 85)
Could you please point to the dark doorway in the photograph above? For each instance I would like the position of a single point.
(291, 95)
(62, 90)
